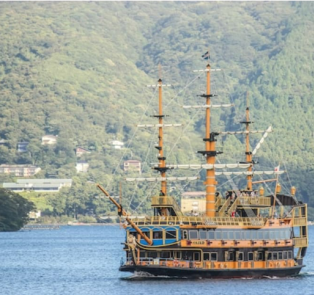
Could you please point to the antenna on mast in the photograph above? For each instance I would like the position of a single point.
(159, 71)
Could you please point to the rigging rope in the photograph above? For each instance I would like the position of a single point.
(119, 163)
(170, 101)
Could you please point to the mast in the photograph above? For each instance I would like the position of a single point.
(161, 158)
(210, 157)
(247, 143)
(210, 151)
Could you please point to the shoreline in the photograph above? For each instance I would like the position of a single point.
(310, 223)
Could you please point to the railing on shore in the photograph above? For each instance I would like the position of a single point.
(29, 227)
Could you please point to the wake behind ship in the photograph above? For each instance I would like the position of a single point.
(243, 233)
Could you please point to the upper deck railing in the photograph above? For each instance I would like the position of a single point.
(255, 201)
(195, 220)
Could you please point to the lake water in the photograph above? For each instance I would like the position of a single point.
(85, 260)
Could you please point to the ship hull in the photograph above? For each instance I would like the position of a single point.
(210, 273)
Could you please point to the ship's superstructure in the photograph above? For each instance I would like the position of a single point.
(243, 233)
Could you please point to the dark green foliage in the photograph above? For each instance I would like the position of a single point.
(14, 210)
(79, 71)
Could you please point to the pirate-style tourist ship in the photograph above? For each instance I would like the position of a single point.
(243, 233)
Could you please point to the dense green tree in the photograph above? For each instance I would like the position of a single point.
(14, 210)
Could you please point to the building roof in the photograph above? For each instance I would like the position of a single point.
(81, 162)
(80, 149)
(34, 186)
(117, 142)
(44, 181)
(17, 166)
(50, 136)
(132, 161)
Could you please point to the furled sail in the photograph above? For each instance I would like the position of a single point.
(207, 70)
(163, 85)
(158, 125)
(211, 106)
(207, 166)
(250, 173)
(151, 179)
(241, 132)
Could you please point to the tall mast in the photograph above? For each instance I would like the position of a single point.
(210, 152)
(161, 158)
(248, 153)
(210, 144)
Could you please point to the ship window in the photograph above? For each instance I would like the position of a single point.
(177, 255)
(240, 256)
(213, 256)
(266, 234)
(225, 235)
(218, 235)
(279, 255)
(250, 256)
(196, 256)
(272, 235)
(277, 234)
(230, 256)
(260, 256)
(254, 234)
(289, 255)
(237, 235)
(158, 235)
(275, 256)
(231, 235)
(164, 254)
(142, 254)
(211, 235)
(185, 235)
(247, 235)
(269, 256)
(206, 256)
(193, 234)
(152, 255)
(203, 235)
(285, 255)
(146, 233)
(171, 235)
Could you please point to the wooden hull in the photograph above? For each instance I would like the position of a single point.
(211, 273)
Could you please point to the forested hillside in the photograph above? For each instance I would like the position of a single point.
(80, 70)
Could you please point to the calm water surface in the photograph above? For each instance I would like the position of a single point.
(85, 260)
